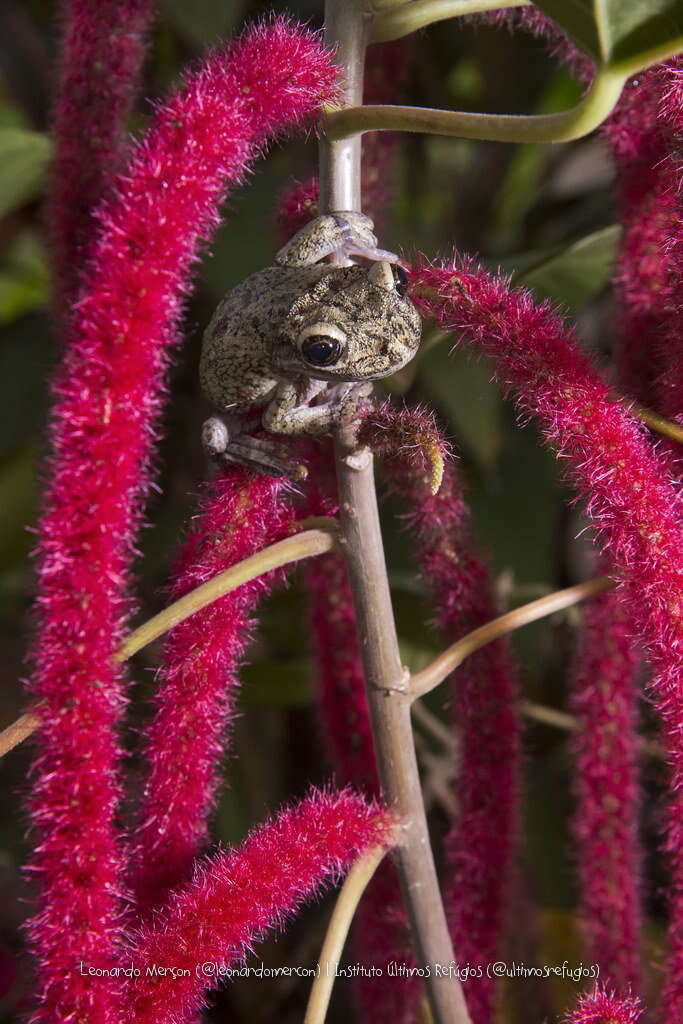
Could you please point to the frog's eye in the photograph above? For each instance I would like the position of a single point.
(321, 350)
(400, 279)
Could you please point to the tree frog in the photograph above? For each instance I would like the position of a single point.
(297, 340)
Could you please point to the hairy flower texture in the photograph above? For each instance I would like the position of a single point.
(297, 206)
(539, 25)
(387, 67)
(670, 382)
(603, 1007)
(237, 895)
(644, 132)
(480, 845)
(342, 700)
(102, 53)
(629, 495)
(198, 682)
(644, 145)
(109, 396)
(607, 793)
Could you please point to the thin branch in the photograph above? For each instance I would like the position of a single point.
(386, 680)
(349, 897)
(562, 720)
(587, 115)
(548, 716)
(667, 428)
(395, 21)
(17, 732)
(430, 677)
(292, 549)
(431, 724)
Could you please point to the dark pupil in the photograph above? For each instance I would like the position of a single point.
(321, 350)
(401, 279)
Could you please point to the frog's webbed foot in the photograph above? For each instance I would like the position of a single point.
(343, 235)
(241, 449)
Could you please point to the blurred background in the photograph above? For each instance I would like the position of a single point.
(544, 214)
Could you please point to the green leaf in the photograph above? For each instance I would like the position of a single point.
(203, 22)
(277, 684)
(627, 32)
(576, 274)
(24, 278)
(24, 157)
(462, 389)
(520, 188)
(18, 500)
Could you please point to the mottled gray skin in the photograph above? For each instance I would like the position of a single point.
(252, 351)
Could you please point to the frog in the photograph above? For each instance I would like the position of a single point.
(294, 347)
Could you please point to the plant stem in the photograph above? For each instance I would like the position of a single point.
(18, 731)
(651, 419)
(394, 22)
(431, 676)
(222, 584)
(587, 115)
(349, 897)
(386, 680)
(292, 549)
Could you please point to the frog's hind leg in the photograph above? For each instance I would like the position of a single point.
(261, 456)
(244, 450)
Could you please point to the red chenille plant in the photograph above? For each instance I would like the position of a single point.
(138, 914)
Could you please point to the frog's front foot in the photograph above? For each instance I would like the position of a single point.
(359, 239)
(244, 450)
(340, 235)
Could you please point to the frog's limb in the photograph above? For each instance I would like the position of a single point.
(246, 451)
(342, 234)
(215, 436)
(288, 414)
(260, 456)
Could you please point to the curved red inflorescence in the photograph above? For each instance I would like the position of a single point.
(198, 682)
(109, 396)
(628, 492)
(103, 48)
(237, 895)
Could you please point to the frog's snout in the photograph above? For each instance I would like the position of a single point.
(322, 344)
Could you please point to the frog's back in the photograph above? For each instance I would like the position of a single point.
(235, 368)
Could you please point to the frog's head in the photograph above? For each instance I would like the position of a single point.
(355, 323)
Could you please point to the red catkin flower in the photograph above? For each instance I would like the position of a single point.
(109, 396)
(629, 495)
(102, 52)
(237, 895)
(340, 679)
(602, 1007)
(480, 845)
(198, 683)
(605, 821)
(644, 146)
(670, 382)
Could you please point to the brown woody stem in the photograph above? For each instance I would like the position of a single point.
(387, 681)
(431, 676)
